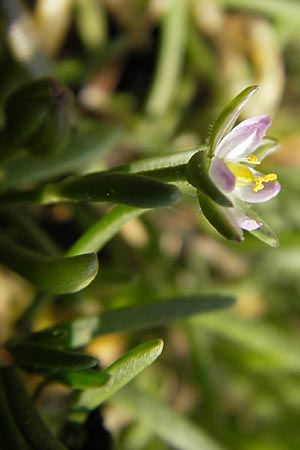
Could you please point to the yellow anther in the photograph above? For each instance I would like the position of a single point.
(259, 180)
(244, 176)
(253, 159)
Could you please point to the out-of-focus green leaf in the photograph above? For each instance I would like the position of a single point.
(171, 59)
(55, 275)
(86, 144)
(79, 332)
(264, 339)
(177, 431)
(122, 371)
(25, 414)
(39, 357)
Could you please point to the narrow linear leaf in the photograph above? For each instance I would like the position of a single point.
(120, 188)
(83, 379)
(25, 414)
(10, 436)
(83, 147)
(79, 332)
(171, 58)
(104, 229)
(122, 371)
(175, 430)
(54, 275)
(39, 357)
(256, 336)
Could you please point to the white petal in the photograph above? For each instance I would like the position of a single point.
(222, 177)
(243, 139)
(246, 193)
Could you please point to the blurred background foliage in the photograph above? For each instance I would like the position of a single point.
(148, 78)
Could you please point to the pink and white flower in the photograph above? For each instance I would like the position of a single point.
(233, 166)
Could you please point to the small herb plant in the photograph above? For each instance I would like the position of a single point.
(37, 129)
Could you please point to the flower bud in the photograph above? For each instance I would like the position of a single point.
(37, 117)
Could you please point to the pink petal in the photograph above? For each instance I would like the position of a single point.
(222, 177)
(243, 139)
(246, 193)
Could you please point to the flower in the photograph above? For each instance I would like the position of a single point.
(235, 157)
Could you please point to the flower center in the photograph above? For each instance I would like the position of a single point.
(244, 176)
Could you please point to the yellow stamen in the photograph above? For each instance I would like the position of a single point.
(244, 176)
(253, 159)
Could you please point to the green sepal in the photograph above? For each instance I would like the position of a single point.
(228, 116)
(197, 175)
(220, 218)
(41, 357)
(37, 116)
(120, 188)
(55, 275)
(264, 233)
(123, 370)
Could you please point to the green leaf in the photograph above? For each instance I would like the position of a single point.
(40, 357)
(25, 414)
(11, 436)
(79, 332)
(255, 335)
(122, 371)
(220, 218)
(37, 116)
(104, 229)
(175, 430)
(128, 189)
(171, 58)
(228, 116)
(55, 275)
(197, 175)
(87, 143)
(83, 379)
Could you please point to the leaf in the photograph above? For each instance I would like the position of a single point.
(256, 336)
(120, 188)
(174, 429)
(35, 356)
(104, 229)
(228, 116)
(171, 59)
(197, 175)
(54, 275)
(122, 371)
(220, 218)
(83, 379)
(84, 146)
(79, 332)
(25, 414)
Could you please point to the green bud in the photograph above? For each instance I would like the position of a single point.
(37, 117)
